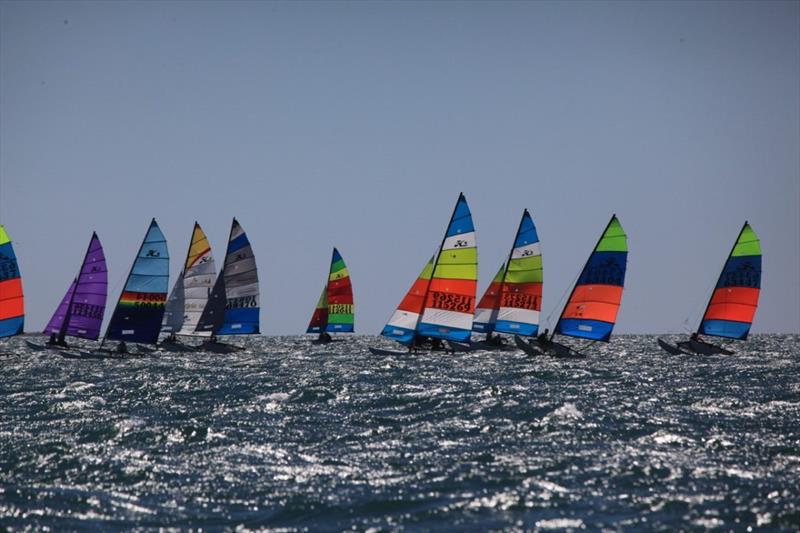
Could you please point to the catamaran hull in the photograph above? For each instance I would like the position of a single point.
(702, 348)
(526, 346)
(669, 348)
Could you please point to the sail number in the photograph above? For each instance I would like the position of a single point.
(451, 302)
(241, 301)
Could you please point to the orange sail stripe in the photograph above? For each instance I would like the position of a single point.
(592, 311)
(611, 294)
(735, 295)
(414, 301)
(11, 308)
(11, 288)
(730, 311)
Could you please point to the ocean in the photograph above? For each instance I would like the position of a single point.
(289, 436)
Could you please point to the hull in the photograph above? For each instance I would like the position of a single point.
(703, 348)
(669, 348)
(526, 347)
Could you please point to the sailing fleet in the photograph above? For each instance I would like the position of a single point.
(437, 313)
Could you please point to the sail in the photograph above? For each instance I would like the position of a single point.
(402, 325)
(173, 310)
(341, 309)
(733, 304)
(591, 311)
(319, 320)
(80, 312)
(489, 304)
(12, 307)
(137, 317)
(213, 316)
(198, 279)
(521, 293)
(450, 302)
(240, 275)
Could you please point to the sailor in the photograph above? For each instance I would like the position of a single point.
(53, 339)
(122, 347)
(542, 338)
(324, 336)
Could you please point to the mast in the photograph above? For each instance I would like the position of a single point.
(575, 285)
(705, 310)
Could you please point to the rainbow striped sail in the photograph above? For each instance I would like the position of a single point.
(591, 311)
(521, 291)
(450, 302)
(80, 312)
(12, 305)
(402, 325)
(733, 304)
(137, 317)
(489, 304)
(335, 308)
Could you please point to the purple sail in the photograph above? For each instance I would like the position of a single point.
(80, 312)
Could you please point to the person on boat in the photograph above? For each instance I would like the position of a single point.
(494, 340)
(53, 340)
(122, 347)
(695, 337)
(542, 338)
(437, 344)
(324, 336)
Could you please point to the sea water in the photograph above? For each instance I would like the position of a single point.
(293, 436)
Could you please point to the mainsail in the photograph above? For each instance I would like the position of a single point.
(489, 304)
(233, 305)
(190, 293)
(12, 307)
(591, 310)
(734, 301)
(402, 325)
(450, 302)
(137, 317)
(521, 291)
(80, 312)
(335, 308)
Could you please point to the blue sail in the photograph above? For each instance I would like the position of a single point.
(137, 317)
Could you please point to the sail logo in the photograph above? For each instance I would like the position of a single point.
(447, 301)
(526, 253)
(152, 253)
(8, 268)
(461, 244)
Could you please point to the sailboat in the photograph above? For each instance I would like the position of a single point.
(513, 300)
(591, 309)
(140, 308)
(233, 305)
(335, 308)
(80, 313)
(733, 303)
(440, 305)
(12, 305)
(189, 295)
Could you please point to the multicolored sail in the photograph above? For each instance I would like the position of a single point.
(402, 325)
(450, 302)
(733, 304)
(489, 304)
(198, 279)
(137, 317)
(591, 311)
(521, 292)
(12, 306)
(80, 312)
(337, 311)
(319, 320)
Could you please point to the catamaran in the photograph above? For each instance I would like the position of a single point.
(80, 313)
(591, 309)
(513, 300)
(233, 305)
(335, 308)
(441, 303)
(190, 293)
(12, 305)
(733, 303)
(140, 308)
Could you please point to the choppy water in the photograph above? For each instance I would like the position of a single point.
(292, 436)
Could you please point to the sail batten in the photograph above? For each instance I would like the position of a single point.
(140, 309)
(12, 301)
(591, 310)
(734, 301)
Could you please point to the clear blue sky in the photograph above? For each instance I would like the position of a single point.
(357, 124)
